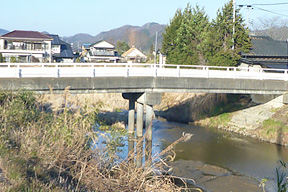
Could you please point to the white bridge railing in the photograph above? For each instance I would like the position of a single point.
(58, 70)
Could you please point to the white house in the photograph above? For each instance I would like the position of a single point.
(26, 46)
(101, 51)
(134, 55)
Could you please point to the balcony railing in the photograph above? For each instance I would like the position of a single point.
(23, 48)
(103, 53)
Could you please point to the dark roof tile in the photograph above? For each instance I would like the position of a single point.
(56, 40)
(26, 34)
(268, 47)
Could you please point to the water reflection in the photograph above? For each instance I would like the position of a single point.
(139, 152)
(142, 149)
(241, 154)
(148, 153)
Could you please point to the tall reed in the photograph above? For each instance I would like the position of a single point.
(54, 150)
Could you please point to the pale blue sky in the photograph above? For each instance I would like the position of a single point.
(69, 17)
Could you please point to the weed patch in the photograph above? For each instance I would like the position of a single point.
(56, 150)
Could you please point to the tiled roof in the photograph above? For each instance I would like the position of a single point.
(131, 50)
(264, 46)
(56, 40)
(128, 52)
(26, 34)
(86, 45)
(66, 51)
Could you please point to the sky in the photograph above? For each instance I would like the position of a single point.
(69, 17)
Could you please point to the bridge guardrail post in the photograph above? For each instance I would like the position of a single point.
(178, 71)
(235, 72)
(57, 71)
(20, 73)
(207, 74)
(261, 74)
(285, 76)
(127, 70)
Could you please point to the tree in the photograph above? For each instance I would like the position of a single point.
(191, 39)
(169, 45)
(274, 27)
(192, 34)
(1, 58)
(183, 40)
(13, 59)
(151, 52)
(223, 47)
(122, 47)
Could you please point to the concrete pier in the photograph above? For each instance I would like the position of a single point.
(139, 125)
(148, 122)
(147, 100)
(131, 116)
(132, 97)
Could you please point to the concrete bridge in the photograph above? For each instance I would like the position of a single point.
(140, 83)
(139, 78)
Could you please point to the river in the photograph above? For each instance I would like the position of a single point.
(239, 154)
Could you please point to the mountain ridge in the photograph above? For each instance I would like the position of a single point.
(141, 37)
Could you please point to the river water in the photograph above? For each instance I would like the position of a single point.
(242, 155)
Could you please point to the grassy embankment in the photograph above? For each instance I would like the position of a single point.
(273, 130)
(54, 150)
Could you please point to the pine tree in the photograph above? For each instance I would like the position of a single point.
(192, 34)
(183, 40)
(192, 39)
(169, 45)
(223, 46)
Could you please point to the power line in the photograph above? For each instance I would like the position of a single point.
(270, 4)
(270, 11)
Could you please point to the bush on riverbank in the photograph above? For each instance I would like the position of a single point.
(53, 151)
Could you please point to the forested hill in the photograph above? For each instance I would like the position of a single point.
(141, 37)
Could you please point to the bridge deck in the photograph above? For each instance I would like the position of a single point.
(101, 77)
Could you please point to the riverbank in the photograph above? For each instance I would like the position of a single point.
(234, 113)
(266, 122)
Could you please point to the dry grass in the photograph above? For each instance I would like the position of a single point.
(194, 107)
(54, 149)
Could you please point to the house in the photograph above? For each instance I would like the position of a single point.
(133, 55)
(26, 46)
(61, 51)
(101, 51)
(266, 53)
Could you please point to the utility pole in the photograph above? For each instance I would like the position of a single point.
(155, 58)
(234, 19)
(248, 9)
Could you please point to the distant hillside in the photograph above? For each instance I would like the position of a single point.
(141, 37)
(3, 31)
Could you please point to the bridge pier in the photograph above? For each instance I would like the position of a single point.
(139, 124)
(147, 100)
(148, 122)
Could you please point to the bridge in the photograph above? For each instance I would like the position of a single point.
(139, 78)
(140, 83)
